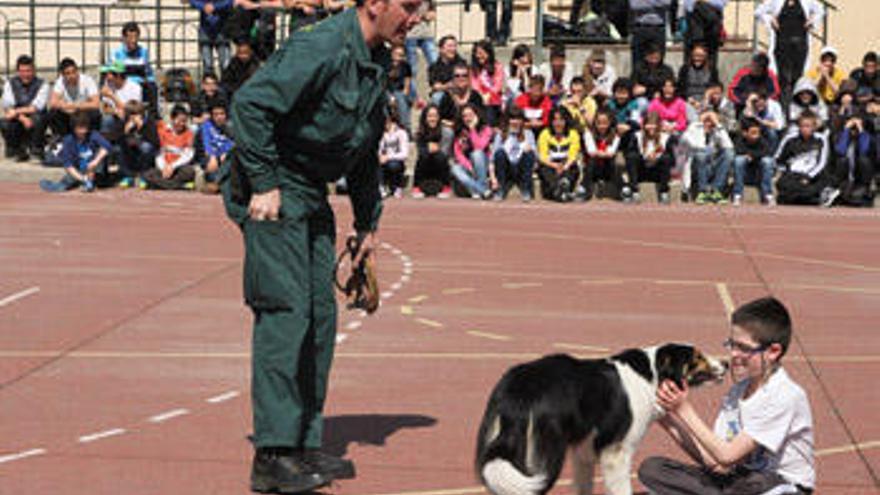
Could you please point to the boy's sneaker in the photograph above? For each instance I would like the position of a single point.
(88, 186)
(637, 197)
(398, 193)
(445, 193)
(829, 195)
(718, 198)
(417, 193)
(498, 196)
(664, 198)
(125, 183)
(384, 192)
(769, 200)
(141, 184)
(684, 197)
(487, 194)
(526, 197)
(626, 194)
(189, 186)
(737, 200)
(703, 198)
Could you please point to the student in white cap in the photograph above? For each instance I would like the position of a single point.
(827, 75)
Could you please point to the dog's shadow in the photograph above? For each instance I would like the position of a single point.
(367, 429)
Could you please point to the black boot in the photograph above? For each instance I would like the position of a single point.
(278, 470)
(330, 467)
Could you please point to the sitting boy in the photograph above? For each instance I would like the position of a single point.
(710, 153)
(762, 440)
(174, 169)
(216, 141)
(803, 156)
(754, 160)
(82, 156)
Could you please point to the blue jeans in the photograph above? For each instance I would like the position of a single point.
(429, 50)
(717, 167)
(136, 159)
(509, 173)
(745, 170)
(403, 109)
(207, 45)
(476, 181)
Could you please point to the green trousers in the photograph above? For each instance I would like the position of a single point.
(288, 284)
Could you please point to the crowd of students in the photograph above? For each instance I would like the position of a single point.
(482, 126)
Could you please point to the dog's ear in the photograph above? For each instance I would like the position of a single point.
(672, 363)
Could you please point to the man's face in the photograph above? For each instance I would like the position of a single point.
(760, 104)
(113, 80)
(26, 73)
(71, 76)
(394, 18)
(621, 96)
(870, 68)
(597, 67)
(753, 134)
(577, 91)
(460, 79)
(131, 40)
(757, 69)
(698, 56)
(244, 52)
(81, 131)
(653, 58)
(557, 64)
(209, 86)
(806, 126)
(536, 91)
(449, 49)
(218, 115)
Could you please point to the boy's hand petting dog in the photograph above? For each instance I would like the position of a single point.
(672, 398)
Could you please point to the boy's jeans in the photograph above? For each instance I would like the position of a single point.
(429, 50)
(207, 44)
(744, 168)
(716, 166)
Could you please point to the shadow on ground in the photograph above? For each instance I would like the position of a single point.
(370, 429)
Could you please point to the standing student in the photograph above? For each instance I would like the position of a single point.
(648, 26)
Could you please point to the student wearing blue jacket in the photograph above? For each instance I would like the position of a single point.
(83, 155)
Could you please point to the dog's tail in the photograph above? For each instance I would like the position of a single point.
(516, 452)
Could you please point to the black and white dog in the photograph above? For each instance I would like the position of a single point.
(598, 408)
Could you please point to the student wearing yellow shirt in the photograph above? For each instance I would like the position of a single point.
(581, 107)
(827, 75)
(558, 150)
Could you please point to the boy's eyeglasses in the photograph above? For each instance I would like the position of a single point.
(732, 345)
(460, 75)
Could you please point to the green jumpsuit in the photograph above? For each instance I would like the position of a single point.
(313, 113)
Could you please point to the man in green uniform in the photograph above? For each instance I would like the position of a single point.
(313, 113)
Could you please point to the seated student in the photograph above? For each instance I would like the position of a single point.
(580, 106)
(72, 92)
(138, 146)
(601, 75)
(434, 144)
(458, 96)
(754, 161)
(648, 158)
(23, 120)
(671, 108)
(136, 59)
(471, 151)
(762, 439)
(867, 77)
(517, 74)
(827, 76)
(241, 67)
(806, 98)
(627, 110)
(393, 152)
(650, 73)
(851, 169)
(399, 87)
(557, 73)
(558, 151)
(216, 142)
(803, 156)
(487, 79)
(705, 24)
(768, 113)
(695, 76)
(174, 163)
(718, 103)
(209, 93)
(601, 143)
(753, 78)
(514, 156)
(83, 155)
(710, 152)
(115, 93)
(535, 104)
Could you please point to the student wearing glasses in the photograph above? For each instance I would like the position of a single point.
(762, 439)
(459, 94)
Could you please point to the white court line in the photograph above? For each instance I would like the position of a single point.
(386, 245)
(101, 434)
(404, 278)
(165, 416)
(18, 295)
(387, 294)
(396, 286)
(341, 338)
(223, 397)
(21, 455)
(354, 325)
(726, 299)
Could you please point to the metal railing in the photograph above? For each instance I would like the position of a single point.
(50, 30)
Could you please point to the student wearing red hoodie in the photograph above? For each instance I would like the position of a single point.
(535, 104)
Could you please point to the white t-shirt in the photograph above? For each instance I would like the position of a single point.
(778, 418)
(128, 92)
(76, 94)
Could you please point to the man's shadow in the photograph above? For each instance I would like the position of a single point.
(370, 429)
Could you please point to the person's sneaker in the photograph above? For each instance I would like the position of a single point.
(189, 186)
(718, 198)
(200, 179)
(328, 466)
(283, 471)
(703, 198)
(580, 193)
(829, 195)
(684, 197)
(445, 193)
(398, 193)
(637, 197)
(125, 183)
(487, 194)
(384, 192)
(417, 193)
(88, 186)
(737, 200)
(626, 194)
(664, 198)
(526, 197)
(142, 184)
(22, 156)
(769, 200)
(498, 196)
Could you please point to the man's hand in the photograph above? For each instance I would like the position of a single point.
(212, 165)
(26, 121)
(10, 114)
(265, 206)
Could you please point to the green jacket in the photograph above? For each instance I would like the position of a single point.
(317, 107)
